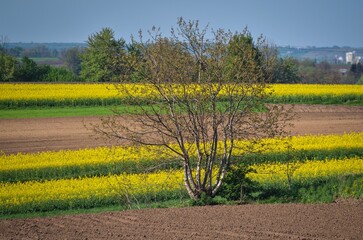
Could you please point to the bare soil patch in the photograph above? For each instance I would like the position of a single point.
(342, 220)
(44, 134)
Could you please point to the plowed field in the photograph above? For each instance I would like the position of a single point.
(42, 134)
(278, 221)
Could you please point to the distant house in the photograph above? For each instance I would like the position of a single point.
(349, 57)
(338, 59)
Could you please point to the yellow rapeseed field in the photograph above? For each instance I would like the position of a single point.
(61, 92)
(17, 195)
(25, 195)
(278, 172)
(316, 89)
(102, 155)
(56, 91)
(95, 156)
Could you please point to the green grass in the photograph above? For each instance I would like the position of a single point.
(323, 190)
(64, 111)
(174, 203)
(68, 111)
(55, 112)
(349, 100)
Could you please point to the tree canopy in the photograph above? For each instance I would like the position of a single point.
(7, 67)
(102, 59)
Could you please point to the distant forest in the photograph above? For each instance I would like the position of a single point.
(319, 54)
(41, 50)
(106, 59)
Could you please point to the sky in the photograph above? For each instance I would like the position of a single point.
(298, 23)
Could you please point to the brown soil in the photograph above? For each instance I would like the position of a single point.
(341, 220)
(41, 134)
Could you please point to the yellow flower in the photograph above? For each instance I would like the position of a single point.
(279, 172)
(118, 155)
(69, 92)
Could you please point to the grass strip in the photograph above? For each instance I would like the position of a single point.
(54, 112)
(66, 111)
(173, 203)
(314, 190)
(349, 99)
(76, 111)
(84, 111)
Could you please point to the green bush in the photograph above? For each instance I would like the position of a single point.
(61, 74)
(312, 190)
(236, 185)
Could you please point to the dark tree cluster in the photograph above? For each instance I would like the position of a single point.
(27, 70)
(14, 69)
(39, 51)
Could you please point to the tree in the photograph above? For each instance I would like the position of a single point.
(3, 42)
(360, 81)
(134, 63)
(321, 73)
(7, 63)
(356, 70)
(15, 51)
(7, 67)
(29, 71)
(286, 71)
(72, 59)
(102, 59)
(37, 51)
(57, 74)
(206, 94)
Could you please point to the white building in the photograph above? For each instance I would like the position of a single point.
(349, 57)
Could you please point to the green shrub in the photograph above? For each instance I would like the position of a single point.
(61, 74)
(236, 185)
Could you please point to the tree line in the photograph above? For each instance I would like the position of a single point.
(107, 59)
(27, 70)
(39, 51)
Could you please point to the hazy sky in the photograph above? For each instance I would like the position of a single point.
(284, 22)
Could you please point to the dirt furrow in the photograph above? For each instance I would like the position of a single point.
(44, 134)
